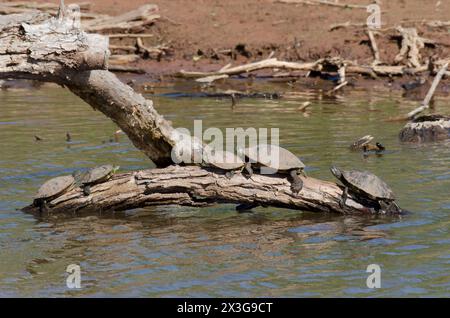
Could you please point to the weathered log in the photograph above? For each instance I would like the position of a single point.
(138, 18)
(76, 65)
(319, 65)
(194, 186)
(33, 45)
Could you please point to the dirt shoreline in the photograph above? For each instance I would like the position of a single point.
(205, 35)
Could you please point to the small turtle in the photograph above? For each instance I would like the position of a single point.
(228, 162)
(374, 148)
(361, 142)
(94, 176)
(52, 189)
(368, 185)
(287, 163)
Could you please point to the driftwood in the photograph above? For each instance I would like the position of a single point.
(72, 66)
(132, 20)
(320, 65)
(194, 186)
(429, 96)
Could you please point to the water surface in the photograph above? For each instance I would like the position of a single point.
(178, 251)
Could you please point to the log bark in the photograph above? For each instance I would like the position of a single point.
(195, 186)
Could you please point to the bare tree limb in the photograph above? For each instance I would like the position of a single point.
(194, 186)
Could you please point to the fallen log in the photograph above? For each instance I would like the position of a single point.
(320, 65)
(197, 187)
(79, 65)
(132, 20)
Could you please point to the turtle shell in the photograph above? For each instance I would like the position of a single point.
(225, 160)
(97, 174)
(274, 157)
(368, 183)
(54, 187)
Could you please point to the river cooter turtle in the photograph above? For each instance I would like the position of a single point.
(52, 189)
(94, 176)
(226, 161)
(271, 159)
(368, 185)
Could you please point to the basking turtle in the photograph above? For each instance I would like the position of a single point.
(264, 156)
(94, 176)
(368, 185)
(52, 189)
(227, 161)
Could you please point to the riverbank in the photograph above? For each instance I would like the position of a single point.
(207, 35)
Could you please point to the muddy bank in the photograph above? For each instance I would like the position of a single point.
(199, 35)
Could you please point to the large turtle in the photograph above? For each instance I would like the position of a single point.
(52, 189)
(368, 185)
(94, 176)
(277, 160)
(226, 161)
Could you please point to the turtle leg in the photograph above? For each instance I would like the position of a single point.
(229, 174)
(391, 207)
(246, 207)
(43, 207)
(384, 207)
(248, 168)
(297, 183)
(87, 190)
(343, 198)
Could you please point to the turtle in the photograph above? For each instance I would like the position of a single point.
(376, 148)
(94, 176)
(263, 156)
(52, 189)
(226, 161)
(368, 185)
(361, 142)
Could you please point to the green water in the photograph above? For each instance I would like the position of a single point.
(178, 251)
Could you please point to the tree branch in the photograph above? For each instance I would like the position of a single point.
(194, 186)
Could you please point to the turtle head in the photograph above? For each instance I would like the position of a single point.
(380, 146)
(336, 172)
(115, 169)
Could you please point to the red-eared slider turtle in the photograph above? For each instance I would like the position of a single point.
(52, 189)
(277, 160)
(368, 185)
(94, 176)
(226, 161)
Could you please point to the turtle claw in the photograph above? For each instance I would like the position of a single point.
(297, 183)
(343, 198)
(87, 190)
(248, 168)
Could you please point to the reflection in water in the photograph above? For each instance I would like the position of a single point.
(179, 251)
